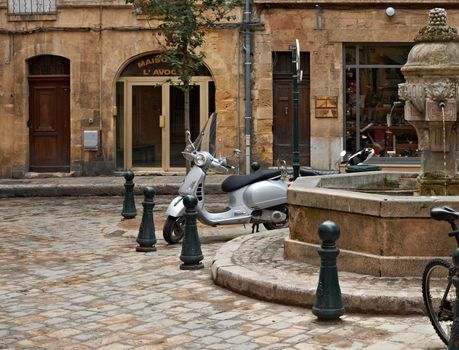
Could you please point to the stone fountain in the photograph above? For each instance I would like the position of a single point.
(431, 95)
(386, 229)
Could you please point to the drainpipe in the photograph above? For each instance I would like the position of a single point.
(248, 84)
(101, 65)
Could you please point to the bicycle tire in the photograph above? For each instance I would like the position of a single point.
(434, 285)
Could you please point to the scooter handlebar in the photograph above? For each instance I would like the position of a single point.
(205, 160)
(218, 164)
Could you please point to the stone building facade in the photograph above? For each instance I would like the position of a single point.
(84, 87)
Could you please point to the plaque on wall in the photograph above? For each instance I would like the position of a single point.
(326, 106)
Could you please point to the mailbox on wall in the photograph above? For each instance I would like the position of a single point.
(91, 140)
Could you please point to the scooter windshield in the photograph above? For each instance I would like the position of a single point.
(206, 140)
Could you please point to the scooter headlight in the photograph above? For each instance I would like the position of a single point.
(200, 159)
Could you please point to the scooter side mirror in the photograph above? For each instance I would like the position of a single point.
(189, 144)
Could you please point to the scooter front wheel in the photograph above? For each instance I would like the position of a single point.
(174, 229)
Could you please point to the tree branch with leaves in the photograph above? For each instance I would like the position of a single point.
(184, 24)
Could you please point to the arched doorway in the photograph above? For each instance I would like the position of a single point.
(49, 114)
(150, 114)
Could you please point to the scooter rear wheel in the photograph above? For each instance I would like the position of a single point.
(174, 229)
(277, 225)
(273, 226)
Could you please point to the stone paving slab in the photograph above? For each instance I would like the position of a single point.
(254, 265)
(97, 185)
(70, 280)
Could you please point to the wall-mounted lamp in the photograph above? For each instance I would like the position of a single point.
(390, 11)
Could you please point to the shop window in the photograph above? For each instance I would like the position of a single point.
(31, 7)
(374, 115)
(382, 55)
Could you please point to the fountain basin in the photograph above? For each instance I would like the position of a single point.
(386, 229)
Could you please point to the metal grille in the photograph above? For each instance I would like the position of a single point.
(27, 7)
(199, 193)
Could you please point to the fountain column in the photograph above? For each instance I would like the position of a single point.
(431, 95)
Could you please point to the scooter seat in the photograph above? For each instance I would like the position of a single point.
(316, 172)
(234, 182)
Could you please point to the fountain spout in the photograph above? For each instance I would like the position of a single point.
(442, 105)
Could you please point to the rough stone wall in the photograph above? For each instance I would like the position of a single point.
(97, 58)
(98, 51)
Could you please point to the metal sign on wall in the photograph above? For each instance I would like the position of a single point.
(326, 106)
(155, 65)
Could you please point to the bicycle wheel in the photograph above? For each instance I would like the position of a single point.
(439, 296)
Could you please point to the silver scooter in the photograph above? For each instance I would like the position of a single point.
(258, 198)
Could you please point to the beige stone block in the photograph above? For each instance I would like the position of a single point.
(264, 114)
(263, 126)
(264, 83)
(356, 261)
(263, 98)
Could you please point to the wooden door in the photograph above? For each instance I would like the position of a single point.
(49, 124)
(283, 122)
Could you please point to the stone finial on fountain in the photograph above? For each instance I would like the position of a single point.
(437, 30)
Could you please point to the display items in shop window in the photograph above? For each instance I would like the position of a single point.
(378, 116)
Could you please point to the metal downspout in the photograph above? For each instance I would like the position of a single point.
(248, 84)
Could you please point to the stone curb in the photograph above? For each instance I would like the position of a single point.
(76, 190)
(298, 291)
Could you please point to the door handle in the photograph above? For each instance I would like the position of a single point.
(285, 110)
(162, 121)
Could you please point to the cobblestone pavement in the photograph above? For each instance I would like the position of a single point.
(68, 280)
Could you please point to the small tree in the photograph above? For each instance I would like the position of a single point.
(184, 24)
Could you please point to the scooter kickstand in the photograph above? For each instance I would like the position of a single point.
(257, 227)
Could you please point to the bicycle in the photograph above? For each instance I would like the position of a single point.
(438, 292)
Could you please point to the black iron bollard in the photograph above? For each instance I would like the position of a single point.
(129, 211)
(453, 343)
(328, 304)
(146, 237)
(191, 247)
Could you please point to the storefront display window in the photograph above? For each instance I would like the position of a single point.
(374, 117)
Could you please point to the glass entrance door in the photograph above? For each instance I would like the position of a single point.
(147, 137)
(177, 122)
(154, 122)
